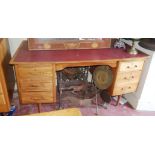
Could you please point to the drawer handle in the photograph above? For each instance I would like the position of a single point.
(32, 73)
(128, 67)
(125, 78)
(122, 88)
(132, 77)
(129, 87)
(36, 73)
(35, 98)
(136, 66)
(34, 86)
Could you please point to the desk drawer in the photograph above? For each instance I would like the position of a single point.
(125, 77)
(36, 97)
(125, 88)
(131, 66)
(36, 86)
(28, 71)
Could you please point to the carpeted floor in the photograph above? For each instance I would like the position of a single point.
(86, 109)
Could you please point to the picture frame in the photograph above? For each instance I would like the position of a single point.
(68, 43)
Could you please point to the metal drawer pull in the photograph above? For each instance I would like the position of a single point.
(128, 66)
(132, 77)
(125, 78)
(122, 89)
(129, 87)
(136, 66)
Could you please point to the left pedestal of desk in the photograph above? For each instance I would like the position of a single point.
(36, 83)
(7, 80)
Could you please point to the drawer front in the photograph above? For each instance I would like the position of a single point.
(125, 77)
(36, 86)
(36, 97)
(2, 101)
(124, 89)
(131, 66)
(28, 71)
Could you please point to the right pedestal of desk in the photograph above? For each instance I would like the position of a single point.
(127, 77)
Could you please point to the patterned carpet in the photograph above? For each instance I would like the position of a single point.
(87, 109)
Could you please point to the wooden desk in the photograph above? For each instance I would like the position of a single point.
(36, 70)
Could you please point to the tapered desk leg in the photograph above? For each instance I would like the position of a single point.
(39, 107)
(60, 103)
(96, 103)
(60, 90)
(118, 100)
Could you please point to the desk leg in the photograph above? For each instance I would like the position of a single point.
(60, 89)
(96, 103)
(118, 100)
(60, 105)
(39, 107)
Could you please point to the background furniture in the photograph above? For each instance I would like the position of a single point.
(64, 112)
(36, 70)
(67, 43)
(7, 80)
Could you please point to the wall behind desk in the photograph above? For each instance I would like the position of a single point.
(14, 44)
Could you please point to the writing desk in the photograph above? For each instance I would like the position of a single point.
(36, 70)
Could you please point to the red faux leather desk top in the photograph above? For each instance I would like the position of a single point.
(25, 56)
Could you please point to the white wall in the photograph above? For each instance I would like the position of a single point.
(14, 44)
